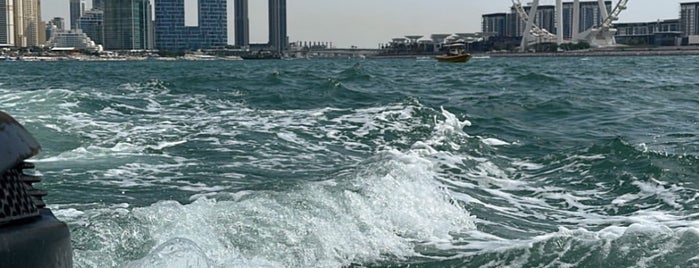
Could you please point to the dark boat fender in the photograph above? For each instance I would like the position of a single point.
(30, 235)
(41, 242)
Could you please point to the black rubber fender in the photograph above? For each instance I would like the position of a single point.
(16, 143)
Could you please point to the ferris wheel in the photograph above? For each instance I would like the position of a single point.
(531, 28)
(601, 35)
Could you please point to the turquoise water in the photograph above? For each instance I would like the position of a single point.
(538, 162)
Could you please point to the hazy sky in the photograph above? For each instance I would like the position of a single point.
(366, 23)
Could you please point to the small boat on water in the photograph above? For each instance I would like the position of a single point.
(456, 52)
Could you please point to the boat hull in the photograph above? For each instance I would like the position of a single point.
(43, 241)
(30, 235)
(454, 58)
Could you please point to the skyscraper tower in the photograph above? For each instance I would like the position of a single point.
(242, 24)
(59, 22)
(127, 25)
(27, 19)
(92, 24)
(98, 4)
(20, 38)
(171, 33)
(7, 23)
(689, 19)
(75, 13)
(278, 39)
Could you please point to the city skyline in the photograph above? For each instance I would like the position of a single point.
(367, 23)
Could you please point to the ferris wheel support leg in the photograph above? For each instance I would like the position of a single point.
(603, 9)
(559, 21)
(527, 30)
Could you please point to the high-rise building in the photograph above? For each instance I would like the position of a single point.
(171, 32)
(242, 24)
(20, 38)
(98, 4)
(495, 24)
(41, 26)
(27, 19)
(213, 23)
(278, 39)
(590, 14)
(689, 19)
(75, 13)
(546, 18)
(59, 22)
(7, 23)
(91, 23)
(127, 25)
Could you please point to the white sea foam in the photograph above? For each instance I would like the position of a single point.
(382, 211)
(364, 218)
(527, 165)
(494, 142)
(398, 200)
(656, 189)
(67, 213)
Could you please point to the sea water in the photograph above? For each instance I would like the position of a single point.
(535, 162)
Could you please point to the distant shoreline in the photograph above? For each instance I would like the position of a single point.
(612, 52)
(675, 51)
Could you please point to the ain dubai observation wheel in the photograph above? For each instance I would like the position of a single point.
(601, 34)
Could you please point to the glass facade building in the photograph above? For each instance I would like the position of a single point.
(495, 24)
(7, 25)
(171, 33)
(278, 39)
(98, 4)
(75, 13)
(242, 24)
(590, 14)
(59, 22)
(91, 23)
(127, 25)
(689, 22)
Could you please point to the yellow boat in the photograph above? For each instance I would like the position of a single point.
(456, 52)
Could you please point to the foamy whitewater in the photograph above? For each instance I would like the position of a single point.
(372, 163)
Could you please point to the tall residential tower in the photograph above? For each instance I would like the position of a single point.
(171, 32)
(278, 38)
(75, 13)
(689, 18)
(242, 24)
(127, 25)
(28, 25)
(98, 4)
(92, 24)
(7, 23)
